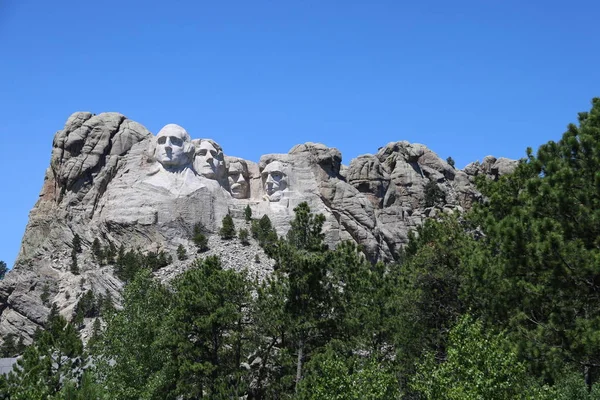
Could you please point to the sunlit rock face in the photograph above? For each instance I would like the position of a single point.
(238, 179)
(209, 161)
(173, 147)
(275, 180)
(111, 179)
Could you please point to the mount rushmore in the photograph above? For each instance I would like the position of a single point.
(112, 180)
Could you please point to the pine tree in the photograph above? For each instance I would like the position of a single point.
(97, 250)
(45, 295)
(74, 267)
(76, 243)
(227, 230)
(306, 229)
(9, 346)
(302, 263)
(206, 331)
(243, 235)
(181, 253)
(3, 269)
(129, 356)
(542, 228)
(248, 213)
(263, 231)
(434, 196)
(479, 365)
(199, 239)
(54, 359)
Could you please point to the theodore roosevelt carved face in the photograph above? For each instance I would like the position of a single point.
(238, 180)
(173, 147)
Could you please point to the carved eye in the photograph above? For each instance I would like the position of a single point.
(202, 152)
(276, 175)
(162, 140)
(176, 141)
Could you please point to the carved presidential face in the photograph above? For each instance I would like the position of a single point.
(173, 147)
(209, 159)
(274, 178)
(238, 180)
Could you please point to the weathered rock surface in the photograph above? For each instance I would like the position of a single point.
(110, 179)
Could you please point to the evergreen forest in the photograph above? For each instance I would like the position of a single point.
(502, 302)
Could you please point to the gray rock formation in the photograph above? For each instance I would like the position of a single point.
(112, 180)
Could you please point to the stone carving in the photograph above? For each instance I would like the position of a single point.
(174, 149)
(110, 179)
(173, 153)
(237, 173)
(275, 180)
(209, 161)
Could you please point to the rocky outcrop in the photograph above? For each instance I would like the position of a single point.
(111, 180)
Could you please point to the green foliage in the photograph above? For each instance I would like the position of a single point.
(51, 362)
(305, 231)
(10, 347)
(129, 354)
(326, 296)
(74, 268)
(479, 365)
(110, 252)
(227, 230)
(569, 386)
(129, 263)
(542, 232)
(205, 332)
(76, 243)
(248, 213)
(156, 260)
(3, 269)
(262, 230)
(200, 239)
(181, 253)
(45, 295)
(87, 390)
(450, 161)
(97, 250)
(330, 376)
(87, 307)
(244, 235)
(430, 286)
(434, 196)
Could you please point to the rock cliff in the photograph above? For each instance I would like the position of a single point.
(110, 179)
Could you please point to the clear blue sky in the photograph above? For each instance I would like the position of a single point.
(466, 78)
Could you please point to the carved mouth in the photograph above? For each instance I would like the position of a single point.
(272, 189)
(238, 188)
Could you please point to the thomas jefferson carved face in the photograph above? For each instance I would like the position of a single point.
(209, 159)
(274, 178)
(173, 147)
(238, 180)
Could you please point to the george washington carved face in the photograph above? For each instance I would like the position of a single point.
(173, 147)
